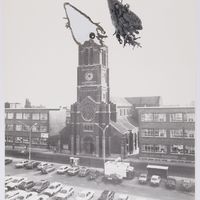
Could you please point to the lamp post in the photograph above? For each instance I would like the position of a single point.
(104, 142)
(30, 131)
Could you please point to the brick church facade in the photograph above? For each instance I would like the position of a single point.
(95, 126)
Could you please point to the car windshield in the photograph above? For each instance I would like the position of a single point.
(143, 176)
(154, 178)
(82, 195)
(38, 184)
(20, 198)
(52, 187)
(63, 191)
(15, 181)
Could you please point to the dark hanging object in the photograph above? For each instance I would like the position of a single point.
(127, 24)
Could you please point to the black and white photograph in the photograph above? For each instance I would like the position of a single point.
(99, 99)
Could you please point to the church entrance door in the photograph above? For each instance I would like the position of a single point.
(88, 145)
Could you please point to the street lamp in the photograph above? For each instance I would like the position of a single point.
(104, 142)
(30, 131)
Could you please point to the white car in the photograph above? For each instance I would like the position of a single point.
(42, 197)
(15, 182)
(53, 189)
(25, 196)
(85, 195)
(123, 197)
(155, 180)
(21, 163)
(11, 194)
(63, 169)
(43, 165)
(8, 179)
(65, 193)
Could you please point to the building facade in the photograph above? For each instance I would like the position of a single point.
(95, 127)
(42, 122)
(167, 133)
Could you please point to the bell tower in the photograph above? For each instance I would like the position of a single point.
(93, 110)
(93, 72)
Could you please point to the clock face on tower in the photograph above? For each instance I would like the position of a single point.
(89, 76)
(88, 112)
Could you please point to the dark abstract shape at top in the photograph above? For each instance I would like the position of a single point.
(127, 24)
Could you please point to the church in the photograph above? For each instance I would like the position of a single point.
(98, 126)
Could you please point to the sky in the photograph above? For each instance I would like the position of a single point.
(41, 58)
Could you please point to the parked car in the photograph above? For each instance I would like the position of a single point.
(93, 174)
(48, 169)
(155, 180)
(25, 185)
(123, 197)
(32, 164)
(170, 183)
(84, 171)
(107, 195)
(186, 185)
(25, 196)
(63, 169)
(11, 194)
(43, 164)
(8, 161)
(15, 182)
(64, 193)
(85, 195)
(42, 197)
(113, 178)
(53, 189)
(73, 171)
(40, 186)
(21, 163)
(8, 179)
(143, 178)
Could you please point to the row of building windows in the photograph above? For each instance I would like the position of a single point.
(88, 127)
(27, 116)
(173, 133)
(174, 149)
(20, 127)
(25, 140)
(173, 117)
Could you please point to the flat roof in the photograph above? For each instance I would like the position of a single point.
(160, 107)
(157, 167)
(32, 109)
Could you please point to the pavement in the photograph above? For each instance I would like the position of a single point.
(130, 187)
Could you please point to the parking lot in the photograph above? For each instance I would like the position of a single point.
(130, 187)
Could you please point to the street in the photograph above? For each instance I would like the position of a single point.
(130, 187)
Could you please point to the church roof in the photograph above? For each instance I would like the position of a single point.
(144, 101)
(122, 125)
(120, 102)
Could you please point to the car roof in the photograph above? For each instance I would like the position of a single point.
(155, 176)
(123, 196)
(66, 187)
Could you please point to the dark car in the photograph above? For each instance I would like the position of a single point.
(32, 164)
(25, 185)
(8, 161)
(170, 183)
(40, 186)
(113, 178)
(47, 169)
(93, 174)
(186, 185)
(84, 171)
(107, 195)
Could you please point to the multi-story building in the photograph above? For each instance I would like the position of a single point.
(167, 133)
(42, 122)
